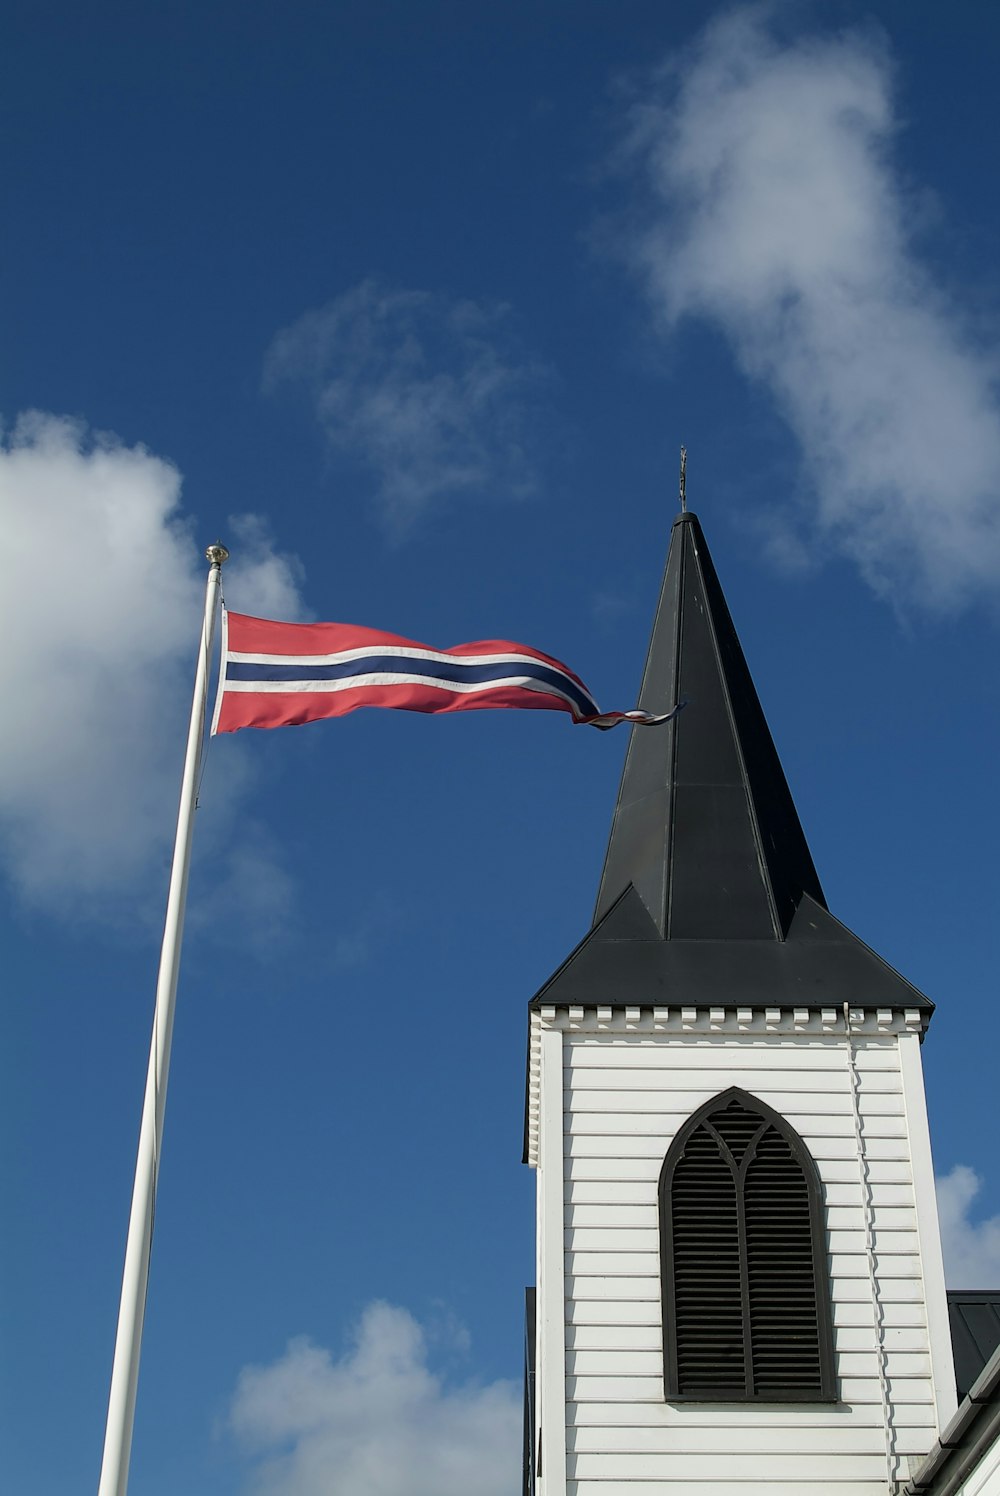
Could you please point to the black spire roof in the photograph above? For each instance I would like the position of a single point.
(709, 893)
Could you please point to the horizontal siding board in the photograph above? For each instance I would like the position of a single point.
(647, 1264)
(836, 1194)
(918, 1421)
(887, 1241)
(646, 1124)
(649, 1363)
(608, 1389)
(580, 1102)
(690, 1051)
(845, 1437)
(586, 1287)
(613, 1264)
(612, 1192)
(633, 1239)
(853, 1287)
(900, 1364)
(895, 1338)
(892, 1215)
(805, 1467)
(618, 1217)
(668, 1106)
(633, 1202)
(896, 1316)
(886, 1197)
(612, 1239)
(892, 1265)
(908, 1290)
(627, 1389)
(616, 1337)
(732, 1487)
(638, 1389)
(827, 1442)
(582, 1162)
(613, 1311)
(832, 1078)
(895, 1222)
(847, 1314)
(640, 1146)
(835, 1172)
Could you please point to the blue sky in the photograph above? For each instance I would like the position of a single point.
(413, 306)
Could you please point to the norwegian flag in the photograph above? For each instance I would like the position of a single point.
(283, 674)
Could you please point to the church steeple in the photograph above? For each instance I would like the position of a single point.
(705, 829)
(740, 1285)
(708, 885)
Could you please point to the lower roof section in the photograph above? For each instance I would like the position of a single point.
(974, 1316)
(625, 962)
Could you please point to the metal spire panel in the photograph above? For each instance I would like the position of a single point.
(705, 828)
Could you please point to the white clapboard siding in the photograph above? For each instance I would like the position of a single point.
(716, 1465)
(637, 1389)
(649, 1336)
(631, 1240)
(863, 1435)
(865, 1432)
(743, 1416)
(582, 1098)
(849, 1314)
(600, 1073)
(838, 1196)
(902, 1291)
(822, 1146)
(600, 1312)
(581, 1290)
(837, 1172)
(757, 1438)
(647, 1264)
(650, 1124)
(624, 1099)
(704, 1049)
(584, 1363)
(580, 1094)
(734, 1486)
(637, 1206)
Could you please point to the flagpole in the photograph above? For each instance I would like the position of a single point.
(131, 1312)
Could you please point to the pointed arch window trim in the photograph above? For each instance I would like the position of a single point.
(823, 1388)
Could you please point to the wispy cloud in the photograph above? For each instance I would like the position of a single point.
(433, 397)
(101, 597)
(768, 203)
(971, 1248)
(375, 1422)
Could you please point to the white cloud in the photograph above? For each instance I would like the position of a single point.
(376, 1422)
(770, 206)
(101, 597)
(431, 395)
(971, 1248)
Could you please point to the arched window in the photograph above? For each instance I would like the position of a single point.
(746, 1297)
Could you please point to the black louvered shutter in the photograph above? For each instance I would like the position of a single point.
(781, 1278)
(708, 1303)
(745, 1296)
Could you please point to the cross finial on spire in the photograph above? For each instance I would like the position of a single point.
(683, 485)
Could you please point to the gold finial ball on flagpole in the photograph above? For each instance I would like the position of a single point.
(216, 554)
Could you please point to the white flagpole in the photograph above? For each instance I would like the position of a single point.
(131, 1312)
